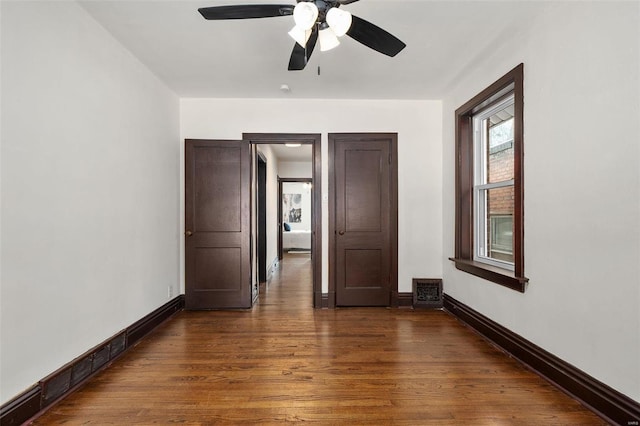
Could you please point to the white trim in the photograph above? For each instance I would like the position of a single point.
(495, 185)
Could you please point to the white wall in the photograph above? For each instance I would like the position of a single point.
(295, 169)
(298, 169)
(582, 187)
(418, 124)
(89, 189)
(305, 205)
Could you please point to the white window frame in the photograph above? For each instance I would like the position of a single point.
(481, 188)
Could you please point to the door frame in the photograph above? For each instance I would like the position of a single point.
(363, 137)
(315, 140)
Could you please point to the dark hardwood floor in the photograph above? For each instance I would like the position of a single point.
(286, 362)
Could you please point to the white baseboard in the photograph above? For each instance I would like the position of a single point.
(275, 264)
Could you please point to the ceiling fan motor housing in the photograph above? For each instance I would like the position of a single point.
(323, 7)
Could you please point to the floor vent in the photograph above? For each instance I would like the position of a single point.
(60, 382)
(427, 293)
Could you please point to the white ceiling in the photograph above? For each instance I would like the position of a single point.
(285, 153)
(249, 58)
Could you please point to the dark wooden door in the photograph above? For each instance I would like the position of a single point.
(262, 218)
(217, 224)
(364, 222)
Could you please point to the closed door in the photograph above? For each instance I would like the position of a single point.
(217, 224)
(364, 219)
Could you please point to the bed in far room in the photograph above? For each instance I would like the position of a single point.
(296, 240)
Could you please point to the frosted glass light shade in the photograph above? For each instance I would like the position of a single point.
(339, 21)
(300, 35)
(305, 15)
(328, 39)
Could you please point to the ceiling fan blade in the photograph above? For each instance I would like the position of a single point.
(300, 56)
(347, 1)
(246, 11)
(374, 37)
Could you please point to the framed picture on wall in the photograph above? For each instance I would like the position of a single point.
(292, 208)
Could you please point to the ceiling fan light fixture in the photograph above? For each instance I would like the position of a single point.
(339, 21)
(314, 19)
(328, 39)
(305, 15)
(300, 35)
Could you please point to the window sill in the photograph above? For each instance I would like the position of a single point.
(491, 273)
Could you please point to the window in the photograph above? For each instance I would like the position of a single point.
(489, 183)
(493, 183)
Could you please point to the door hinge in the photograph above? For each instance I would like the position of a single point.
(389, 158)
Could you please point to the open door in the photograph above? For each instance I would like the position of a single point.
(217, 224)
(262, 216)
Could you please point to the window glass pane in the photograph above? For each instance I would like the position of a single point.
(499, 222)
(500, 146)
(500, 131)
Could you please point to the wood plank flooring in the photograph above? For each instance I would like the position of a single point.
(284, 362)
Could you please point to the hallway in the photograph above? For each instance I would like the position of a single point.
(286, 362)
(290, 288)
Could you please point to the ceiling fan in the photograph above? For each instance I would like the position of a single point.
(314, 20)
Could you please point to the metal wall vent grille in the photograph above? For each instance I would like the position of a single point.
(427, 293)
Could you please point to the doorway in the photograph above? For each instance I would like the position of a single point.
(294, 215)
(274, 226)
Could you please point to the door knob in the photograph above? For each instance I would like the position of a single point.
(341, 232)
(188, 233)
